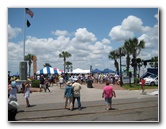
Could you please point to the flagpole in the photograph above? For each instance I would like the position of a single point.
(23, 64)
(24, 35)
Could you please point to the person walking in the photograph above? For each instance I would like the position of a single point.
(142, 85)
(47, 85)
(107, 94)
(61, 81)
(41, 82)
(68, 95)
(27, 93)
(52, 80)
(76, 89)
(89, 82)
(12, 89)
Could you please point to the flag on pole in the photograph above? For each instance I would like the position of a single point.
(28, 11)
(28, 23)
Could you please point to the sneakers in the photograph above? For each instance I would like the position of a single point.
(28, 106)
(71, 109)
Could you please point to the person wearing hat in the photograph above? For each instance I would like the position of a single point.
(13, 91)
(61, 81)
(68, 95)
(76, 89)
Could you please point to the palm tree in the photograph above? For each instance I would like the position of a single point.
(139, 64)
(135, 51)
(128, 50)
(68, 64)
(154, 62)
(64, 55)
(113, 55)
(47, 64)
(29, 58)
(155, 59)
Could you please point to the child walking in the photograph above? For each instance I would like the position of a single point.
(107, 94)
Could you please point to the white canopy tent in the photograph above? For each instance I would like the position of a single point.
(78, 70)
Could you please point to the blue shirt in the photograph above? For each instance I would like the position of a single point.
(68, 91)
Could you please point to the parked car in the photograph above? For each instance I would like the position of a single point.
(151, 80)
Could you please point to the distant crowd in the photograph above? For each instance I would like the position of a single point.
(82, 78)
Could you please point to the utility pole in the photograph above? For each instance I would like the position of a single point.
(120, 67)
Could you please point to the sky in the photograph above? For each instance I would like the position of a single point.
(88, 34)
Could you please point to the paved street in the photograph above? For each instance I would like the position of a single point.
(128, 106)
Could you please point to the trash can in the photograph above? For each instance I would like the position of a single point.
(89, 83)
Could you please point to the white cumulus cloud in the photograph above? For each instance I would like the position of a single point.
(119, 34)
(13, 32)
(132, 23)
(84, 48)
(60, 33)
(83, 36)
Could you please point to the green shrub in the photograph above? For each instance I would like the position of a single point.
(136, 80)
(137, 87)
(35, 83)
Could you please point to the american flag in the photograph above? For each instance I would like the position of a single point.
(28, 11)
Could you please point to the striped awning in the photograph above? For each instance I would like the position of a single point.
(48, 70)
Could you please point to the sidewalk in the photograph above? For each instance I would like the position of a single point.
(87, 94)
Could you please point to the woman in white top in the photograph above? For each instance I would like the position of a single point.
(27, 92)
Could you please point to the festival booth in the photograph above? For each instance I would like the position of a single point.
(59, 70)
(78, 70)
(48, 70)
(108, 71)
(97, 71)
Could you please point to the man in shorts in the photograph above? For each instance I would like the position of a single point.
(107, 94)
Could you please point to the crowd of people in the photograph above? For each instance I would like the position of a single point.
(71, 85)
(82, 78)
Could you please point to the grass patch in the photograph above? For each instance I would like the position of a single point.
(137, 87)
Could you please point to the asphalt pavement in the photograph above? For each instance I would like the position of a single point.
(49, 106)
(87, 94)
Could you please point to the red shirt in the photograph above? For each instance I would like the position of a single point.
(143, 82)
(108, 91)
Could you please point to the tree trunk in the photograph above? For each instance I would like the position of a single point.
(128, 64)
(64, 64)
(135, 67)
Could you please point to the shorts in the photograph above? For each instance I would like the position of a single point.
(27, 94)
(108, 100)
(41, 85)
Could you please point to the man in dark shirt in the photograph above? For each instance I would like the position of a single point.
(41, 82)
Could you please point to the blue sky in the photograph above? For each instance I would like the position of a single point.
(89, 34)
